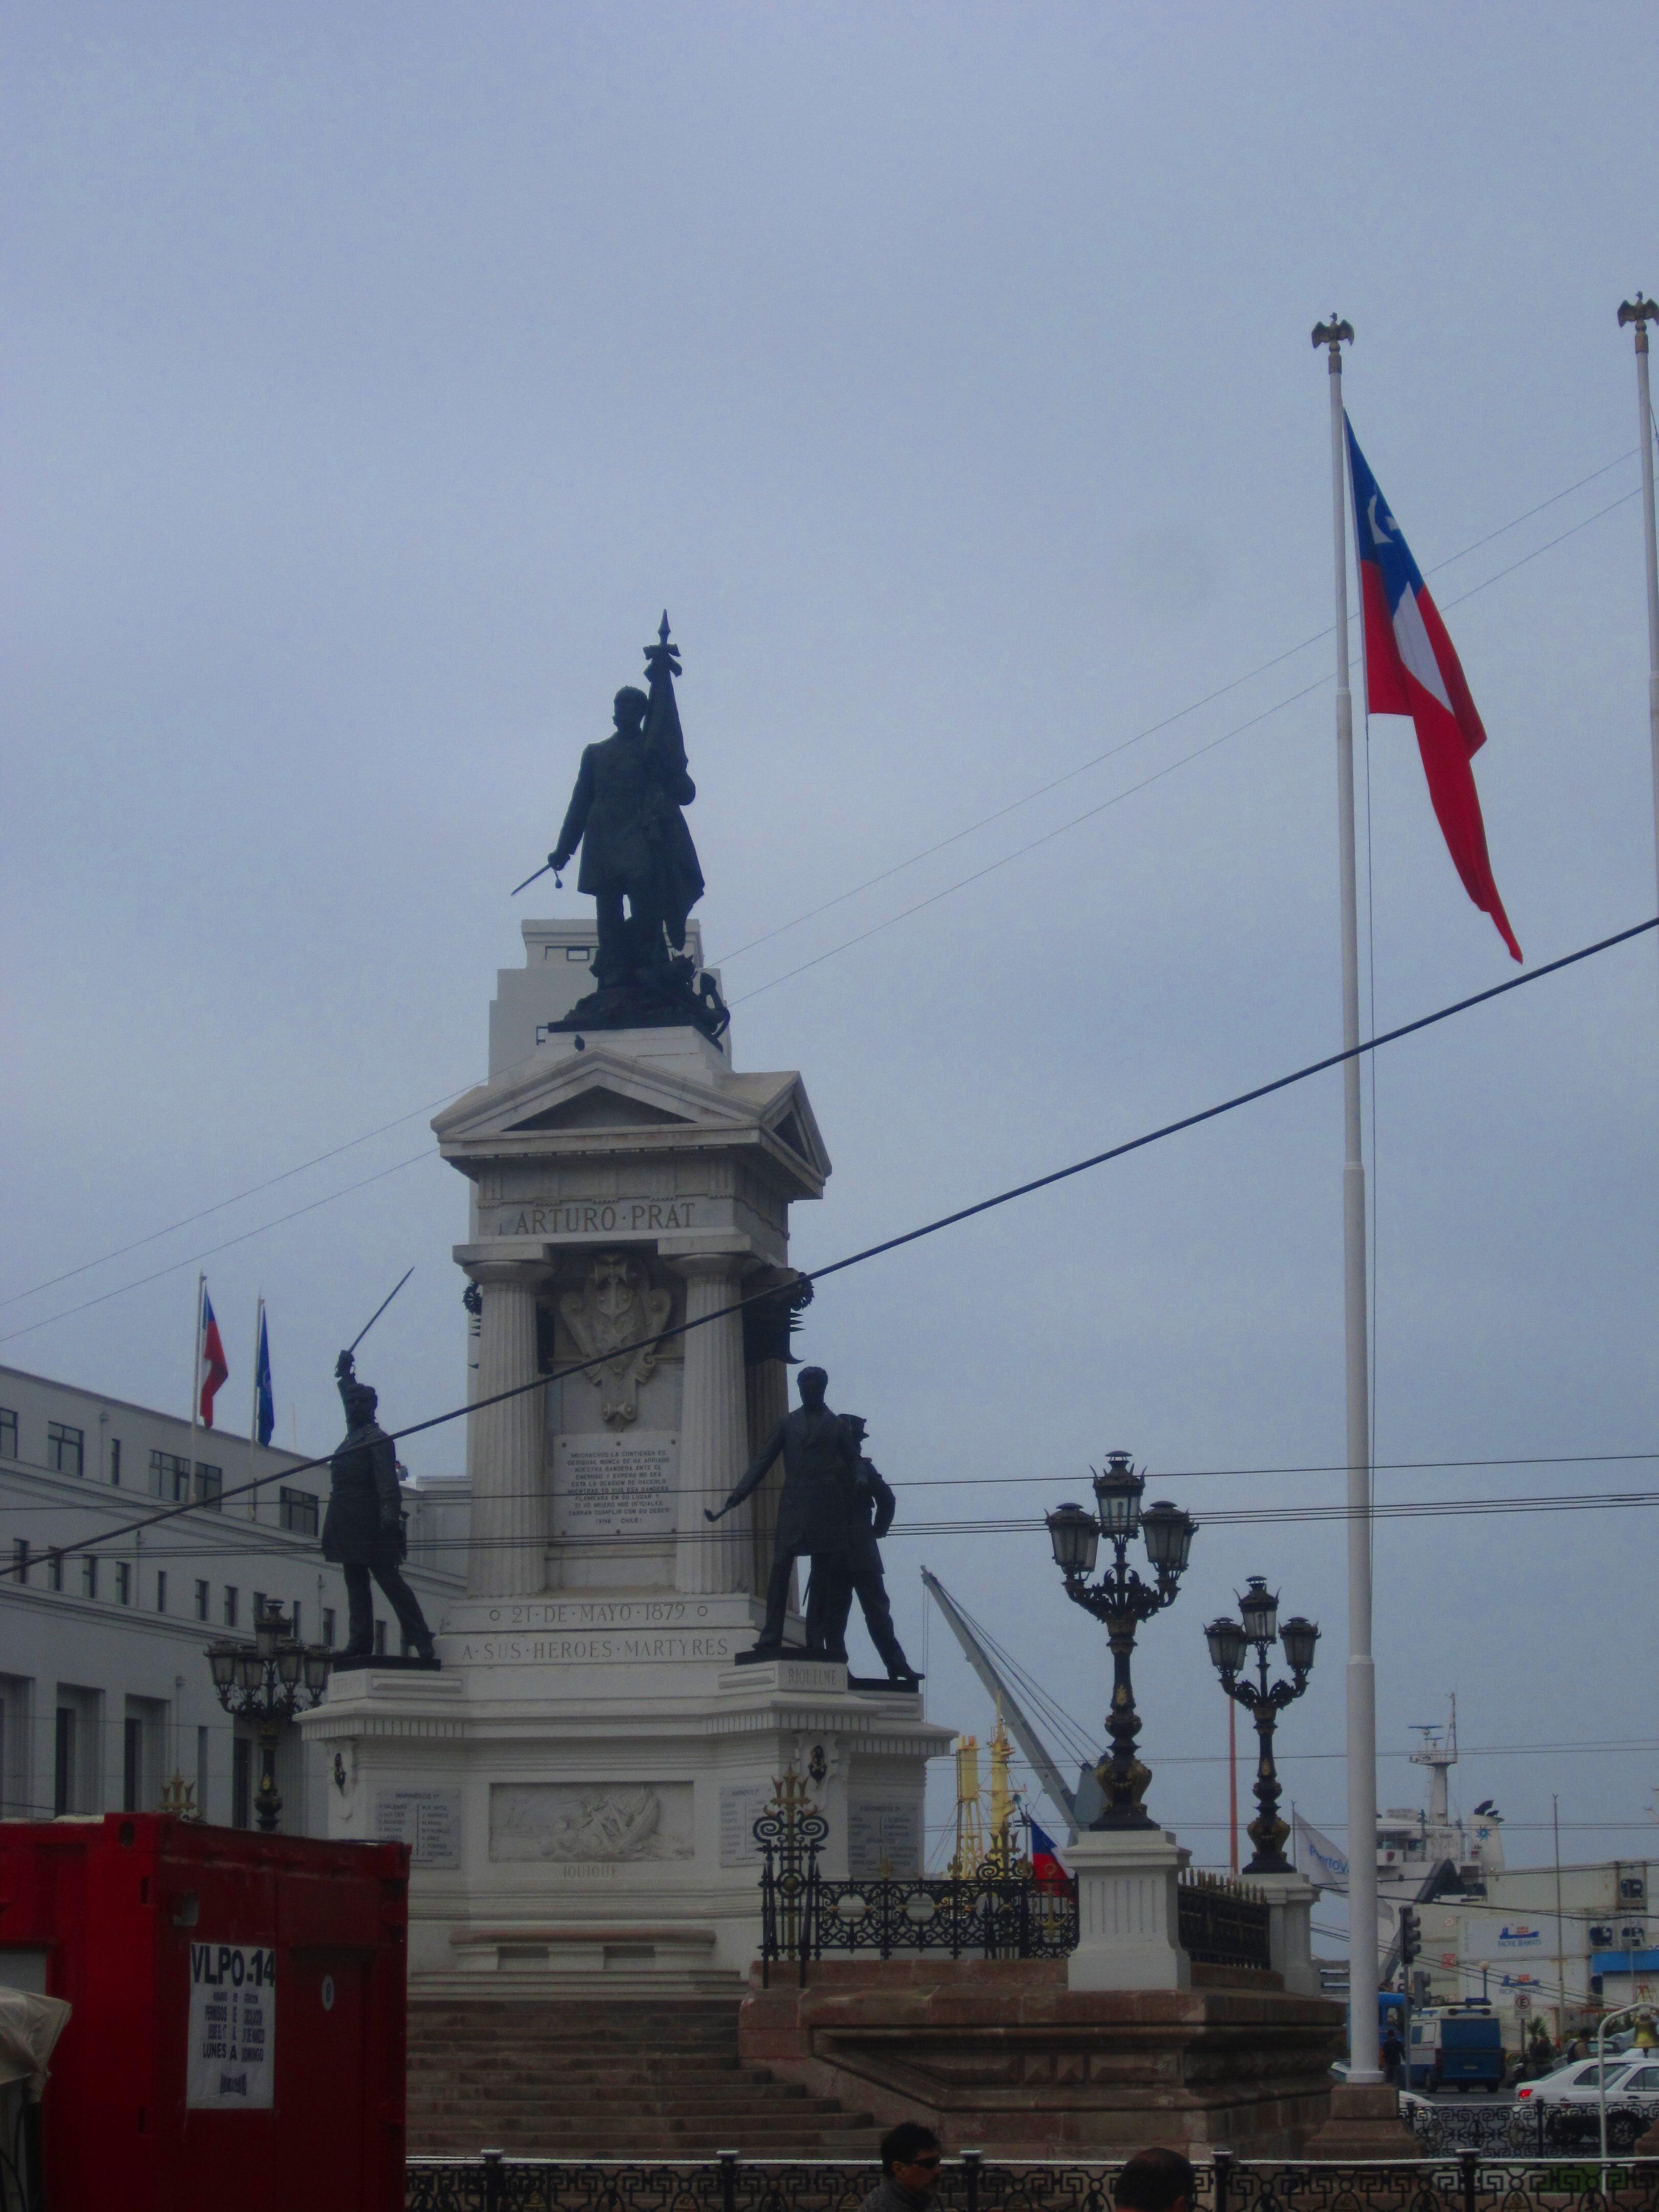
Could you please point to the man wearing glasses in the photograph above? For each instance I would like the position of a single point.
(909, 2169)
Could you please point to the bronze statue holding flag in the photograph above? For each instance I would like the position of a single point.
(625, 812)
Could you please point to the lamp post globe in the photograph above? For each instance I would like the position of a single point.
(1122, 1599)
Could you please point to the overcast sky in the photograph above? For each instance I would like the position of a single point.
(375, 375)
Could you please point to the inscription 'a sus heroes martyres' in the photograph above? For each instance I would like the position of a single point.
(618, 1217)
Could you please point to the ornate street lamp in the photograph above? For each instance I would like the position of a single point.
(1231, 1643)
(1122, 1601)
(268, 1681)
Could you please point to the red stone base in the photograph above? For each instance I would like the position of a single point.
(1001, 2056)
(1365, 2125)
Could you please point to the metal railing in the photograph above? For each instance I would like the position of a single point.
(1524, 2131)
(1465, 2182)
(1223, 1922)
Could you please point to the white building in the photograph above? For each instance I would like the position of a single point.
(105, 1693)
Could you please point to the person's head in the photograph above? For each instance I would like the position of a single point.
(627, 708)
(1157, 2180)
(812, 1383)
(856, 1427)
(909, 2153)
(360, 1404)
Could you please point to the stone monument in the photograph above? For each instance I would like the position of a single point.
(579, 1780)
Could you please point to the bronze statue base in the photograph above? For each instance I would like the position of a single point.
(675, 1001)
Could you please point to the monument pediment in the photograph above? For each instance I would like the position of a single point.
(561, 1099)
(599, 1108)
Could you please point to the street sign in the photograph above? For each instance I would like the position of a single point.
(1522, 2001)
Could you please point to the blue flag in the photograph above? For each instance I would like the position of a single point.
(265, 1404)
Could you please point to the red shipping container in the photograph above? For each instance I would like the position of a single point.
(237, 2033)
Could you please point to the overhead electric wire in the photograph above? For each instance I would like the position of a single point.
(174, 1267)
(1193, 707)
(13, 1297)
(624, 1541)
(1076, 821)
(907, 1484)
(1167, 721)
(817, 1275)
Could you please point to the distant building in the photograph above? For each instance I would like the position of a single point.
(1493, 1931)
(105, 1693)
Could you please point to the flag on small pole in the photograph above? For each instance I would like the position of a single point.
(264, 1405)
(211, 1366)
(1047, 1871)
(1412, 668)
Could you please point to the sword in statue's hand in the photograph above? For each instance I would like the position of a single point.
(558, 880)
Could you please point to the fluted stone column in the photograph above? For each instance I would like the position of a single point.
(506, 1453)
(714, 1432)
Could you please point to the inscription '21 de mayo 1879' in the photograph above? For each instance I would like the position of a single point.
(620, 1217)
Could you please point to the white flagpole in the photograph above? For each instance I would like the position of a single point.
(1364, 2065)
(253, 1409)
(196, 1371)
(1642, 312)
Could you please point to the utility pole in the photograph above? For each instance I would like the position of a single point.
(1641, 312)
(1560, 1953)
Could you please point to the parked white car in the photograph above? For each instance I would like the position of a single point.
(1570, 2100)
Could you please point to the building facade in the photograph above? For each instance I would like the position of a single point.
(104, 1693)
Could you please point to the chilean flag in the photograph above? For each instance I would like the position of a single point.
(1410, 668)
(1047, 1872)
(211, 1366)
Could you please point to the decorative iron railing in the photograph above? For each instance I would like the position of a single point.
(1223, 1924)
(1522, 2129)
(730, 2183)
(999, 1912)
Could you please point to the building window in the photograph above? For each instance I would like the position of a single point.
(115, 1462)
(169, 1477)
(55, 1570)
(201, 1600)
(328, 1627)
(20, 1558)
(122, 1583)
(65, 1449)
(63, 1756)
(132, 1763)
(89, 1576)
(161, 1590)
(230, 1605)
(298, 1511)
(260, 1602)
(209, 1486)
(380, 1639)
(294, 1632)
(241, 1784)
(8, 1433)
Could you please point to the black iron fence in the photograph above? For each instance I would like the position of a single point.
(1523, 2130)
(1222, 1923)
(1465, 2182)
(996, 1912)
(991, 1915)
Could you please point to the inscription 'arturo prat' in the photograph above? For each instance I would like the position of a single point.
(620, 1217)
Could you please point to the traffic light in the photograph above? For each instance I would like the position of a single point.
(1411, 1935)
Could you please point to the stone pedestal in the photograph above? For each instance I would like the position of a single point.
(1127, 1911)
(1364, 2126)
(580, 1783)
(1003, 2056)
(1290, 1936)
